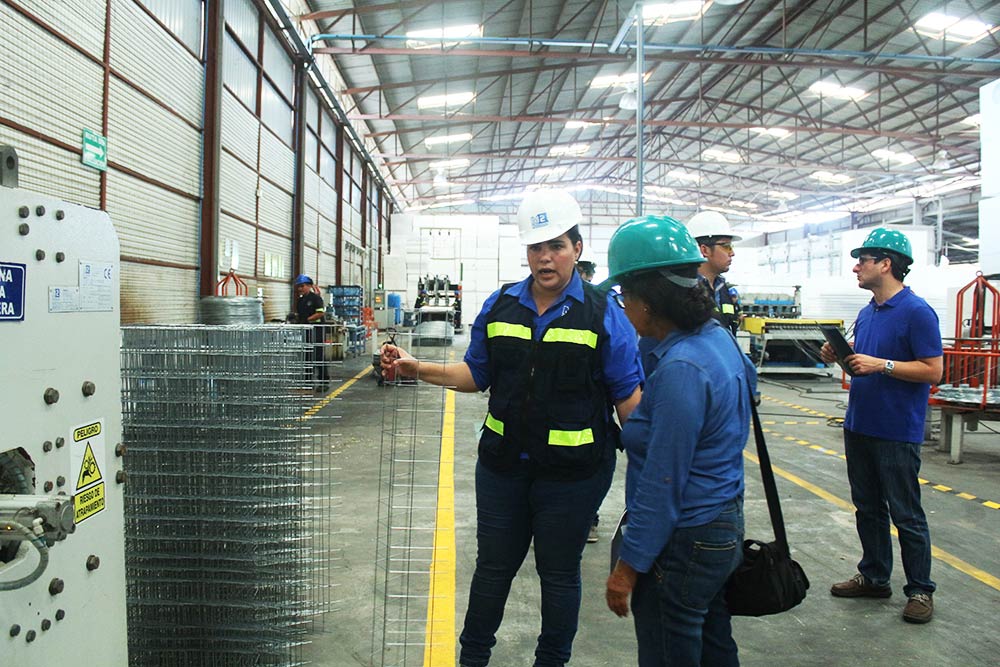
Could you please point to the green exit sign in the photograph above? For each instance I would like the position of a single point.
(95, 150)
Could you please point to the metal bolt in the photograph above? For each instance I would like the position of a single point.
(93, 562)
(51, 396)
(47, 446)
(60, 614)
(15, 630)
(60, 441)
(120, 449)
(39, 254)
(88, 388)
(56, 586)
(60, 480)
(120, 476)
(40, 211)
(47, 486)
(23, 212)
(46, 624)
(60, 215)
(30, 636)
(23, 229)
(60, 256)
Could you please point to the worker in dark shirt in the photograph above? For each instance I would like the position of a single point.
(309, 309)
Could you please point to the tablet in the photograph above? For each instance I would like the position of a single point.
(835, 337)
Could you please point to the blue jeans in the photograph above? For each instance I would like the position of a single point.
(679, 607)
(883, 477)
(511, 509)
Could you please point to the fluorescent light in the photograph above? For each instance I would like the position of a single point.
(433, 37)
(830, 177)
(720, 155)
(942, 26)
(776, 132)
(893, 156)
(684, 176)
(669, 12)
(450, 164)
(448, 139)
(622, 80)
(570, 149)
(975, 120)
(448, 100)
(835, 90)
(743, 204)
(780, 194)
(577, 124)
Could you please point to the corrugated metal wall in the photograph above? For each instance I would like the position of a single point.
(153, 121)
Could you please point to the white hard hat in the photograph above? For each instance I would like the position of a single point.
(546, 214)
(710, 223)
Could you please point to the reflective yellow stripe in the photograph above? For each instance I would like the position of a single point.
(494, 329)
(571, 438)
(575, 336)
(494, 424)
(728, 308)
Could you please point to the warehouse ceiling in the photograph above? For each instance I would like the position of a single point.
(777, 112)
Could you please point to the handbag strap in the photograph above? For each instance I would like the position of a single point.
(767, 477)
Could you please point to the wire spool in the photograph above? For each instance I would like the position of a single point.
(232, 310)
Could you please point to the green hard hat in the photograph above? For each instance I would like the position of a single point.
(886, 239)
(649, 242)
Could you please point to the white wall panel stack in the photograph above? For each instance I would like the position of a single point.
(51, 170)
(155, 294)
(238, 188)
(82, 22)
(236, 231)
(275, 208)
(989, 206)
(277, 161)
(240, 129)
(151, 222)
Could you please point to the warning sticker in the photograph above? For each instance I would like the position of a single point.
(89, 502)
(87, 456)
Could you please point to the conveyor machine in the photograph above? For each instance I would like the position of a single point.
(62, 557)
(787, 345)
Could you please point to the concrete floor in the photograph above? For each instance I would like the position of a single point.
(806, 445)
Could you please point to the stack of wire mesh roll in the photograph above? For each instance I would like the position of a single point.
(228, 517)
(232, 310)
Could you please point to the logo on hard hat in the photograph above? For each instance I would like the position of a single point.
(539, 220)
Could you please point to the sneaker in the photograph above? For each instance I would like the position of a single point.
(859, 587)
(592, 536)
(919, 608)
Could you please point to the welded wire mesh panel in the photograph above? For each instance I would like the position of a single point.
(408, 488)
(229, 496)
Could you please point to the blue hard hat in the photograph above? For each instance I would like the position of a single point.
(303, 279)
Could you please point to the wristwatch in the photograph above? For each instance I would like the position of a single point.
(889, 367)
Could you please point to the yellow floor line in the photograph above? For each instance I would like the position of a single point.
(323, 402)
(939, 554)
(439, 647)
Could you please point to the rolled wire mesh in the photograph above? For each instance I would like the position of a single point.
(408, 487)
(228, 503)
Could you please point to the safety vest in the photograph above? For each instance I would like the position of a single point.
(727, 312)
(544, 400)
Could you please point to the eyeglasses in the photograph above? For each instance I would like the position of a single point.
(864, 258)
(725, 245)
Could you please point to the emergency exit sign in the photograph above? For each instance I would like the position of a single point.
(95, 150)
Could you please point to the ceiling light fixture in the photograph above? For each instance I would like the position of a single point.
(457, 163)
(550, 172)
(976, 120)
(448, 139)
(629, 101)
(579, 124)
(569, 149)
(434, 37)
(661, 13)
(776, 132)
(830, 177)
(720, 155)
(622, 80)
(783, 195)
(684, 176)
(890, 155)
(447, 100)
(836, 91)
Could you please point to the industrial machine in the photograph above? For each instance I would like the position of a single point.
(62, 556)
(777, 339)
(439, 311)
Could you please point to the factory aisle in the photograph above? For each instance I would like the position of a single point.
(805, 439)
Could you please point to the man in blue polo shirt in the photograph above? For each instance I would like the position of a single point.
(897, 356)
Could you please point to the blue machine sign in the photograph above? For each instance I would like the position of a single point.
(11, 292)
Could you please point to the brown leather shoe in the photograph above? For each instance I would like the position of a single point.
(859, 587)
(919, 608)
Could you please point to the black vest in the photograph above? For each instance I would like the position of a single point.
(728, 312)
(544, 400)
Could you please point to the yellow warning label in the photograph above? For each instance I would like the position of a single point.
(89, 472)
(88, 431)
(88, 503)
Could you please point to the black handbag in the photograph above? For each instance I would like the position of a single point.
(768, 581)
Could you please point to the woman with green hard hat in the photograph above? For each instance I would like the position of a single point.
(684, 441)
